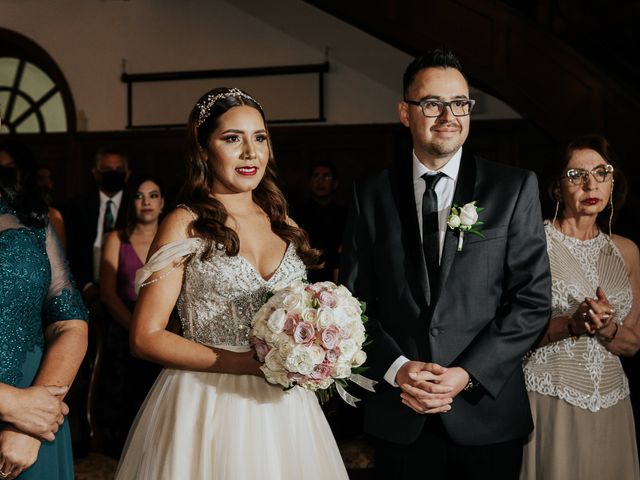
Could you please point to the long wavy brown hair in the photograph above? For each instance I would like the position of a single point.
(197, 192)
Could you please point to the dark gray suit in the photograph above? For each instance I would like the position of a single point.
(494, 301)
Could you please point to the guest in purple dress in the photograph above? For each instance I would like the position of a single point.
(125, 379)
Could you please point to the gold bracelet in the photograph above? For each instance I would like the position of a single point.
(613, 336)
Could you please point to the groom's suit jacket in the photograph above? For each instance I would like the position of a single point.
(493, 304)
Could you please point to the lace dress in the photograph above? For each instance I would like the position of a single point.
(36, 290)
(578, 391)
(202, 426)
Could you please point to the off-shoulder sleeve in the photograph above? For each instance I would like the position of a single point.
(171, 254)
(64, 300)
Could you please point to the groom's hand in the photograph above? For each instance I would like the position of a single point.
(456, 378)
(422, 388)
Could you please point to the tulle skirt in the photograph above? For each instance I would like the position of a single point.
(203, 426)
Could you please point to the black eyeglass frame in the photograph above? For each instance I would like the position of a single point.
(444, 105)
(584, 174)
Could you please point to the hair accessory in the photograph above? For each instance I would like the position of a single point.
(205, 106)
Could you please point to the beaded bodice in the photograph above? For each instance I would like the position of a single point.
(220, 296)
(581, 371)
(35, 290)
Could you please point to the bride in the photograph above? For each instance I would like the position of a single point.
(211, 414)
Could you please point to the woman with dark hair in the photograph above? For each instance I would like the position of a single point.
(17, 154)
(43, 336)
(126, 381)
(578, 391)
(210, 414)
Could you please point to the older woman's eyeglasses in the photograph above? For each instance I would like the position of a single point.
(434, 108)
(579, 176)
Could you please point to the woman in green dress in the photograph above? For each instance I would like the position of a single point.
(43, 336)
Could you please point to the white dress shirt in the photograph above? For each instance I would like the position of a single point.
(444, 189)
(97, 243)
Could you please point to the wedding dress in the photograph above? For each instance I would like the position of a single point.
(200, 425)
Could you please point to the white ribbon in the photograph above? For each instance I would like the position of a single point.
(359, 380)
(460, 240)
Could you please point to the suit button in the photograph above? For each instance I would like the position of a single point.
(435, 331)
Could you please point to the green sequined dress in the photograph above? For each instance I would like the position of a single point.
(36, 290)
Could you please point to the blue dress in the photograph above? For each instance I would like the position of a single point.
(36, 290)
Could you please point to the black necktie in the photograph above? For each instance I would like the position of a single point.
(431, 231)
(109, 220)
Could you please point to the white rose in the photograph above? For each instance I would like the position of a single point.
(276, 320)
(346, 314)
(359, 358)
(343, 370)
(324, 318)
(347, 349)
(468, 214)
(310, 315)
(299, 361)
(317, 354)
(273, 361)
(291, 300)
(454, 221)
(326, 383)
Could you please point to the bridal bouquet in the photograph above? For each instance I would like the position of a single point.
(311, 335)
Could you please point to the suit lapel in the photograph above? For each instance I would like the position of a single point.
(465, 187)
(406, 206)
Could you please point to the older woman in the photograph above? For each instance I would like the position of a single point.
(578, 391)
(43, 335)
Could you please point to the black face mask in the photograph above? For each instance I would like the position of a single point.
(8, 177)
(112, 181)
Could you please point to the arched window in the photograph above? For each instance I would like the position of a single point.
(34, 95)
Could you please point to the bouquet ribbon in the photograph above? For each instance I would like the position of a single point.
(359, 380)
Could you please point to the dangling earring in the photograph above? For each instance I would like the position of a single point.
(610, 219)
(555, 215)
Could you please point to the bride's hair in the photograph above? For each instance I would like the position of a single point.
(211, 214)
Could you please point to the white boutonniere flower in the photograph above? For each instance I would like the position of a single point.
(465, 219)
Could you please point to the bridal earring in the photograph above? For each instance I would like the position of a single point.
(555, 215)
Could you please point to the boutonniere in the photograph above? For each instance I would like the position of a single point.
(465, 219)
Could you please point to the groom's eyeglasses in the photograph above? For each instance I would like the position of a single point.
(434, 108)
(579, 176)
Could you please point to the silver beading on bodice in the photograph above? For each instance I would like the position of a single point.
(581, 371)
(220, 296)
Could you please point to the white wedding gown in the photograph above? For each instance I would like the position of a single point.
(203, 426)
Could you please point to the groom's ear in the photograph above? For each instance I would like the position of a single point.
(403, 113)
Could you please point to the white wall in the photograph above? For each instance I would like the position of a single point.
(89, 39)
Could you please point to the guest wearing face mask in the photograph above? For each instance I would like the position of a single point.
(91, 216)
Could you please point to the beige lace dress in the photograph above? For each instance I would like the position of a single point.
(578, 391)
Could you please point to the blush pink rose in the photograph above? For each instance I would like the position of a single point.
(330, 337)
(304, 333)
(331, 357)
(291, 323)
(320, 372)
(327, 299)
(313, 289)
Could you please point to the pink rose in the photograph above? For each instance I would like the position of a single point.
(313, 289)
(260, 347)
(327, 299)
(290, 323)
(330, 337)
(320, 372)
(332, 356)
(304, 333)
(298, 378)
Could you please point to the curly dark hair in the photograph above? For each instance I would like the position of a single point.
(600, 145)
(211, 214)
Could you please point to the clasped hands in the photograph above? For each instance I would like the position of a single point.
(429, 387)
(594, 316)
(34, 414)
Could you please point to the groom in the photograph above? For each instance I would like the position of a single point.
(451, 315)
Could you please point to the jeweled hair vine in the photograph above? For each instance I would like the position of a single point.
(204, 106)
